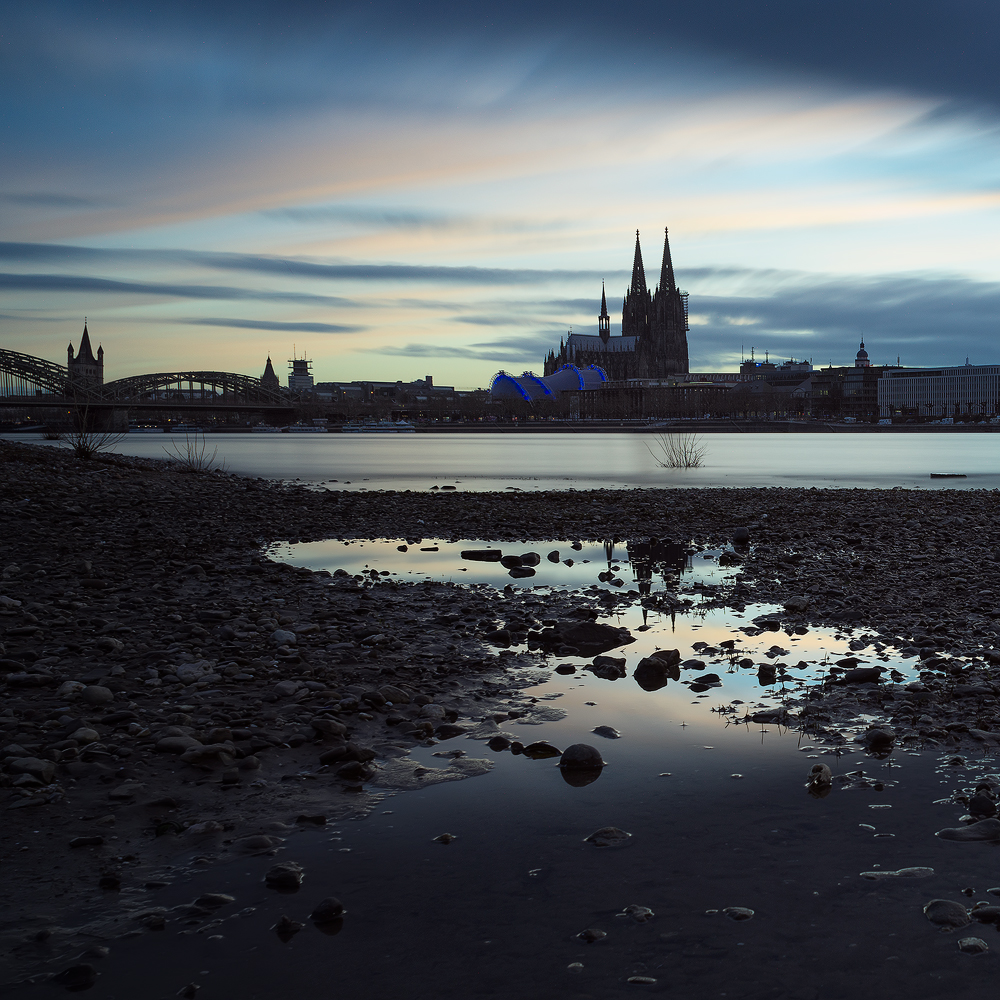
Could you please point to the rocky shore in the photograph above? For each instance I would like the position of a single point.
(164, 687)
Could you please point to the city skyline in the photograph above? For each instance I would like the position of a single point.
(404, 192)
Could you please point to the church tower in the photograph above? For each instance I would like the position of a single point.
(85, 369)
(637, 303)
(269, 380)
(604, 320)
(668, 349)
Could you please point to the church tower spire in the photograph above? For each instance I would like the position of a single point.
(638, 272)
(604, 320)
(85, 368)
(667, 283)
(269, 380)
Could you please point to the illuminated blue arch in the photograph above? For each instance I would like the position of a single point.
(529, 386)
(505, 386)
(532, 383)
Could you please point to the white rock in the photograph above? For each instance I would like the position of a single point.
(282, 638)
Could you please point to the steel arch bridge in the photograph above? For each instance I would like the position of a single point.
(31, 381)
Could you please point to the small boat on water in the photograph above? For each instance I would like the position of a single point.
(948, 475)
(306, 429)
(379, 427)
(146, 430)
(265, 429)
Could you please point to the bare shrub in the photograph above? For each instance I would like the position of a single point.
(84, 441)
(51, 434)
(678, 451)
(193, 455)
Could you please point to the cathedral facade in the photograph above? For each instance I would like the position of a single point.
(653, 341)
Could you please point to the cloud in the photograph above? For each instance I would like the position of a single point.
(84, 283)
(502, 320)
(294, 267)
(50, 200)
(927, 319)
(252, 324)
(366, 216)
(527, 350)
(28, 318)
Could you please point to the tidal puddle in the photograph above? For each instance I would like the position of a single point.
(648, 565)
(720, 819)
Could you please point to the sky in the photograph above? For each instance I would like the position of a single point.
(408, 189)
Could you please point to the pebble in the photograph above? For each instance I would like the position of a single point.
(899, 873)
(946, 914)
(984, 913)
(575, 967)
(286, 928)
(327, 911)
(86, 842)
(985, 829)
(581, 756)
(96, 695)
(607, 732)
(592, 935)
(738, 912)
(445, 838)
(608, 836)
(641, 980)
(214, 900)
(41, 770)
(973, 946)
(285, 877)
(77, 977)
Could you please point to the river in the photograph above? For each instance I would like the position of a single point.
(496, 461)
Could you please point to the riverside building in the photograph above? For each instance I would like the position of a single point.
(928, 393)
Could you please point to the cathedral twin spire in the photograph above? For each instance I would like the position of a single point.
(638, 271)
(653, 341)
(667, 283)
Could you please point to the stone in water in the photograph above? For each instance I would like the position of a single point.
(608, 836)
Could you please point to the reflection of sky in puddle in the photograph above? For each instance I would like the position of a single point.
(747, 688)
(438, 559)
(719, 817)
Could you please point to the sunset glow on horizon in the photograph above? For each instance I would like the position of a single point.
(406, 191)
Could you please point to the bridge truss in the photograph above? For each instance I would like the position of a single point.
(31, 381)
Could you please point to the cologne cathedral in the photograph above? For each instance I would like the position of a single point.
(653, 341)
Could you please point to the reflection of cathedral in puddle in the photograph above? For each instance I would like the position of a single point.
(660, 556)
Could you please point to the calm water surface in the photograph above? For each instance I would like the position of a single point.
(583, 461)
(719, 817)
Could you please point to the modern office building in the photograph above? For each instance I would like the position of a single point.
(928, 393)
